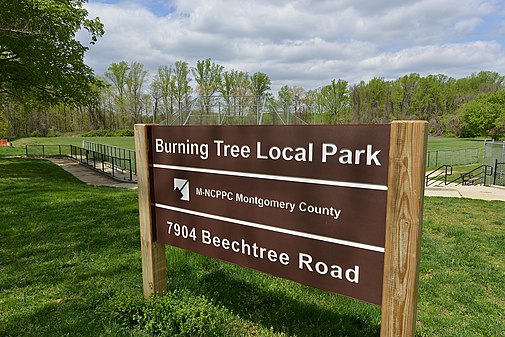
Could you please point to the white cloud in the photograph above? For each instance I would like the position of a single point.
(304, 42)
(454, 59)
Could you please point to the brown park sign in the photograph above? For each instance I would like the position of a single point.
(305, 203)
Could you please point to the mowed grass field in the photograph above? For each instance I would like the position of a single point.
(124, 142)
(434, 143)
(70, 264)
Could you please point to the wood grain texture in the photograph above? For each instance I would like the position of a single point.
(154, 277)
(403, 228)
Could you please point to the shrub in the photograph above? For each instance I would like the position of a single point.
(97, 133)
(109, 133)
(123, 133)
(179, 313)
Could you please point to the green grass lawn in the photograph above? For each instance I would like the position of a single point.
(18, 148)
(444, 143)
(70, 265)
(125, 142)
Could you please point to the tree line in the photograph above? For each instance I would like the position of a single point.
(206, 93)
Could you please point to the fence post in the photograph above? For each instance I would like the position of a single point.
(130, 161)
(495, 171)
(484, 152)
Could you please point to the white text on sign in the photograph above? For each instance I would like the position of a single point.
(329, 152)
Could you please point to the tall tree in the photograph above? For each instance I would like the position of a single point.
(285, 97)
(117, 73)
(206, 74)
(260, 84)
(314, 103)
(337, 99)
(181, 88)
(155, 91)
(166, 81)
(225, 88)
(241, 86)
(39, 54)
(134, 83)
(403, 92)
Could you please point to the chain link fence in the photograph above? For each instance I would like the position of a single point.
(494, 155)
(438, 158)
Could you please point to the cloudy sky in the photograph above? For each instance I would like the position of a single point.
(302, 42)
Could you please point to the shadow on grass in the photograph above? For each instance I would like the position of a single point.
(318, 314)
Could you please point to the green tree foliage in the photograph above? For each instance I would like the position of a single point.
(181, 87)
(165, 80)
(134, 83)
(128, 80)
(117, 73)
(336, 101)
(260, 85)
(286, 103)
(206, 74)
(469, 106)
(39, 54)
(241, 91)
(485, 116)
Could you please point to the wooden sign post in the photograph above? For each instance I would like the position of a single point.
(404, 220)
(154, 264)
(334, 207)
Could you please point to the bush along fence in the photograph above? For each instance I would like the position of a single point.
(115, 166)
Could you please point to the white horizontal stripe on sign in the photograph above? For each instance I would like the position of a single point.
(273, 229)
(274, 177)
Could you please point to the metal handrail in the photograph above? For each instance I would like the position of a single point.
(431, 180)
(116, 151)
(108, 164)
(101, 162)
(469, 177)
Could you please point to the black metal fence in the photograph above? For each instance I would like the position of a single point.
(116, 152)
(47, 150)
(499, 173)
(117, 167)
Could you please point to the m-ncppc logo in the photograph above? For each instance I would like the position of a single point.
(182, 186)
